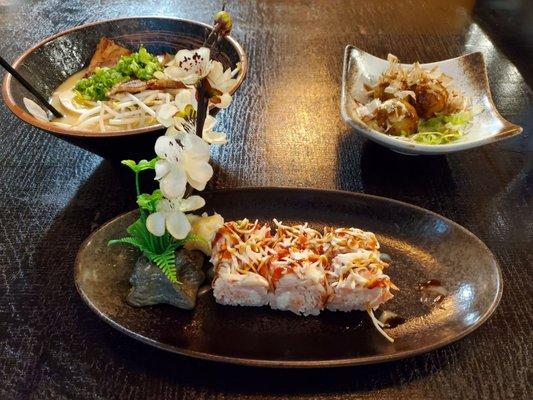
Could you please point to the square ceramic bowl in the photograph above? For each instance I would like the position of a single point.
(469, 75)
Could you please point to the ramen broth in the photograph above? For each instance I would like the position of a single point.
(123, 111)
(70, 117)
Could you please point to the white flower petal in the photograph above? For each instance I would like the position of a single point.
(224, 101)
(172, 131)
(176, 73)
(227, 75)
(216, 73)
(194, 146)
(204, 66)
(165, 114)
(198, 185)
(214, 137)
(220, 79)
(209, 123)
(155, 223)
(191, 203)
(236, 70)
(190, 65)
(166, 147)
(198, 174)
(178, 225)
(186, 97)
(174, 183)
(162, 168)
(164, 206)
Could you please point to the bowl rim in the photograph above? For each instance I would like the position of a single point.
(396, 144)
(55, 129)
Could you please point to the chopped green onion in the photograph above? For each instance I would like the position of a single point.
(141, 65)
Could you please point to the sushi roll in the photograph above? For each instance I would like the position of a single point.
(300, 269)
(297, 273)
(357, 282)
(240, 257)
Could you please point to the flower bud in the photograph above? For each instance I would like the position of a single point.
(223, 23)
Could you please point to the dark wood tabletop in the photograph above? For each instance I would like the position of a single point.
(284, 129)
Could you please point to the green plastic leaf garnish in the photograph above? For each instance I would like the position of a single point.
(142, 165)
(158, 249)
(149, 201)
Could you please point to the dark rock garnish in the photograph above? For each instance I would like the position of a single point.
(150, 286)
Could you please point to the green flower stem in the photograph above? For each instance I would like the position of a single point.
(137, 184)
(138, 190)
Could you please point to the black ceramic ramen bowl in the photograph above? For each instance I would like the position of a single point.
(52, 61)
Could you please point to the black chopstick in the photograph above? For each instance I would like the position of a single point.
(28, 86)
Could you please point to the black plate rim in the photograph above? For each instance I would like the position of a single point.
(307, 363)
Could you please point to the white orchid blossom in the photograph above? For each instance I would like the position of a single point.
(166, 113)
(208, 134)
(170, 216)
(222, 81)
(180, 116)
(184, 159)
(189, 66)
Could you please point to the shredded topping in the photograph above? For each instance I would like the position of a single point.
(361, 268)
(242, 247)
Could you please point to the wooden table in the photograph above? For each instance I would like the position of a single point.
(285, 129)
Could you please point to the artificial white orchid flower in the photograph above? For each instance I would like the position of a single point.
(179, 116)
(170, 216)
(185, 119)
(220, 79)
(182, 124)
(222, 82)
(188, 105)
(189, 66)
(184, 102)
(169, 171)
(184, 158)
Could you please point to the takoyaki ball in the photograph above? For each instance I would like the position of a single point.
(397, 116)
(378, 92)
(430, 101)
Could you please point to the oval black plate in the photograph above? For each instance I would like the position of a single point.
(422, 245)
